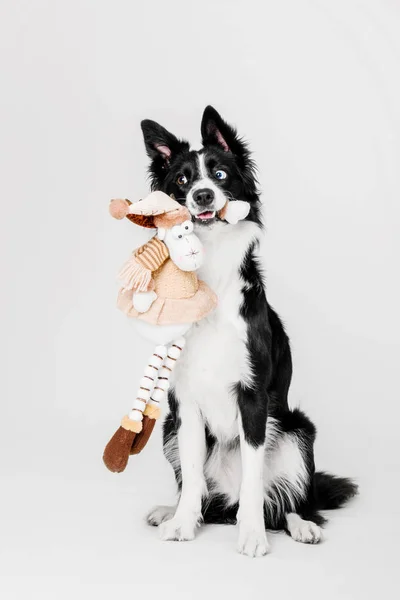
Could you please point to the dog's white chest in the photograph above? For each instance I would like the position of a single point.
(215, 357)
(210, 365)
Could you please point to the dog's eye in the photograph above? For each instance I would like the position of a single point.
(181, 180)
(220, 174)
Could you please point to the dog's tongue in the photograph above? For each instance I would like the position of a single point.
(206, 215)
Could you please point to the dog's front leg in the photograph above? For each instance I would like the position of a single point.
(192, 453)
(252, 425)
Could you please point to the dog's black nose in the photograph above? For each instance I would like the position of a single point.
(204, 197)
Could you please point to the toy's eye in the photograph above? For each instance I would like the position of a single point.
(220, 174)
(177, 232)
(181, 180)
(187, 227)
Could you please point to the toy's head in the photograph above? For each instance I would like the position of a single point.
(173, 224)
(185, 248)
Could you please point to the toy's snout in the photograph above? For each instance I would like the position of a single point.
(185, 248)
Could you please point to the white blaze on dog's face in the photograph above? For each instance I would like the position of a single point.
(205, 198)
(185, 248)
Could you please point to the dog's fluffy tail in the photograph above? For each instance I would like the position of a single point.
(331, 491)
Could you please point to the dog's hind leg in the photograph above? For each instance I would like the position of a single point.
(159, 514)
(303, 531)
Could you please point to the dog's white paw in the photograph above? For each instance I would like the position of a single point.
(302, 531)
(159, 514)
(178, 530)
(252, 542)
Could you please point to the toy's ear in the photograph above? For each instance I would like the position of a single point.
(160, 143)
(161, 233)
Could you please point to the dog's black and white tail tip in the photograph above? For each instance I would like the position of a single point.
(332, 491)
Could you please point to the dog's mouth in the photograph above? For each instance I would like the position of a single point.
(206, 217)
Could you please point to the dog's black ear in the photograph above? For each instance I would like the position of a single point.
(217, 132)
(159, 142)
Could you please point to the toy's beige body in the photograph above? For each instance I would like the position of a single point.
(181, 297)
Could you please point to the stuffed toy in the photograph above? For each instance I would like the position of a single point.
(163, 296)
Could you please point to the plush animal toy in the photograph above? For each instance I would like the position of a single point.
(164, 297)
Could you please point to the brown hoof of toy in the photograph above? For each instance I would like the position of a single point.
(118, 449)
(142, 438)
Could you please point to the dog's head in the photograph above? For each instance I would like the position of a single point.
(203, 180)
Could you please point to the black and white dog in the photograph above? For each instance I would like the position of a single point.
(239, 453)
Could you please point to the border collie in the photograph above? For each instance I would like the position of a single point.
(239, 453)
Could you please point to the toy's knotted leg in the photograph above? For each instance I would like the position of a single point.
(152, 411)
(116, 453)
(162, 383)
(147, 383)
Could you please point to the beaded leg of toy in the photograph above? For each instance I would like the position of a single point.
(152, 411)
(146, 388)
(161, 385)
(118, 449)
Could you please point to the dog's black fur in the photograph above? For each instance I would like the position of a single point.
(268, 344)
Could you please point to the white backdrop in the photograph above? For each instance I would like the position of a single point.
(314, 86)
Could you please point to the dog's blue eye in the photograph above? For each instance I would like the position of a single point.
(220, 174)
(181, 180)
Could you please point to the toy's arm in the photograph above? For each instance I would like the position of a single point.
(136, 272)
(153, 254)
